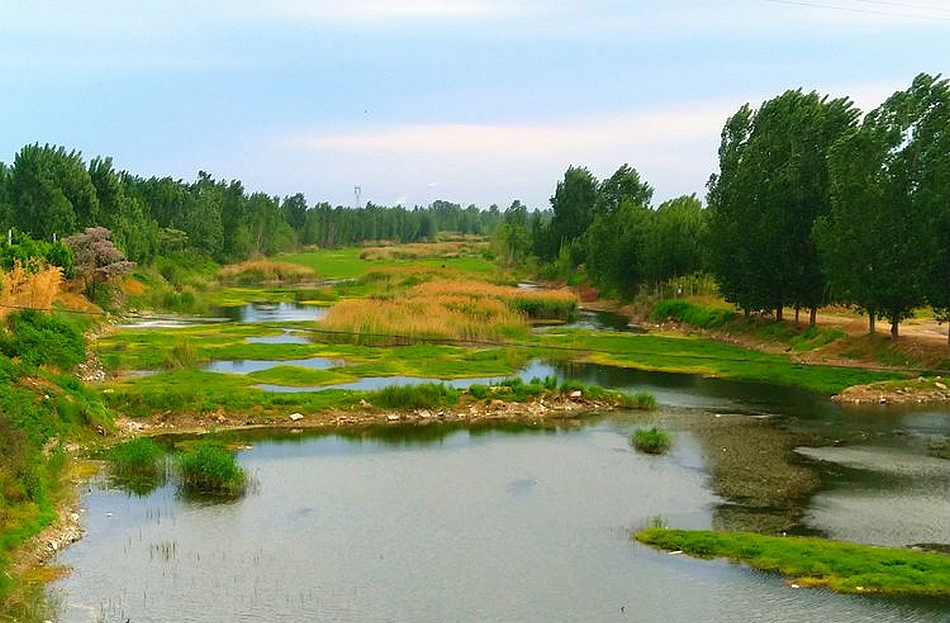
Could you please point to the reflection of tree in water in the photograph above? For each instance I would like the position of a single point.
(753, 467)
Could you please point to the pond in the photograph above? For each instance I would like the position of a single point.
(481, 524)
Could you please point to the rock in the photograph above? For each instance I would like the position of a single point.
(576, 394)
(392, 417)
(940, 385)
(296, 417)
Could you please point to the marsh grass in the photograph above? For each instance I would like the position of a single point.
(265, 272)
(446, 309)
(421, 396)
(26, 289)
(652, 440)
(426, 250)
(138, 465)
(210, 469)
(697, 356)
(839, 566)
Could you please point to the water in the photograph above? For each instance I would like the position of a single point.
(473, 525)
(273, 312)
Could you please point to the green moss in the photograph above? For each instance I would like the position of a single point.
(839, 566)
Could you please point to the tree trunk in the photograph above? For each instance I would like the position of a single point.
(796, 314)
(894, 326)
(871, 326)
(778, 313)
(813, 318)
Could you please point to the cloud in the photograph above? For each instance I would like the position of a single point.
(674, 149)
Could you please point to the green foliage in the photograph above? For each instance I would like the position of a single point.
(31, 254)
(699, 316)
(771, 187)
(883, 243)
(421, 396)
(652, 440)
(839, 566)
(138, 465)
(37, 338)
(210, 469)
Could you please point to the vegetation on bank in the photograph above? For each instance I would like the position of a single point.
(43, 407)
(812, 562)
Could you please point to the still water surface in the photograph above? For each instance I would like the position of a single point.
(474, 525)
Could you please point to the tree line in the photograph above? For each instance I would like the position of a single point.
(49, 192)
(813, 203)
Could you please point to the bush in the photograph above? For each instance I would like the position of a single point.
(688, 313)
(138, 466)
(38, 338)
(652, 440)
(422, 396)
(210, 469)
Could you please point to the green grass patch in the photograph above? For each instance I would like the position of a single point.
(839, 566)
(692, 355)
(685, 312)
(652, 440)
(421, 396)
(211, 469)
(138, 466)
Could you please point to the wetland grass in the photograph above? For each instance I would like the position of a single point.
(652, 440)
(138, 466)
(813, 562)
(448, 309)
(210, 469)
(257, 272)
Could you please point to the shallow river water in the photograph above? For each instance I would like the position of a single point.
(473, 525)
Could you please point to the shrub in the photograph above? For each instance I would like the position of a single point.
(210, 469)
(652, 440)
(138, 466)
(422, 396)
(38, 338)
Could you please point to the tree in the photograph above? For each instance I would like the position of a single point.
(772, 185)
(97, 260)
(889, 192)
(624, 185)
(50, 192)
(294, 209)
(674, 246)
(573, 205)
(512, 236)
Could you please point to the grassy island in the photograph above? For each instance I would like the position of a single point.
(813, 562)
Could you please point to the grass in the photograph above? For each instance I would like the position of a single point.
(652, 440)
(693, 355)
(448, 309)
(258, 272)
(838, 566)
(210, 469)
(138, 465)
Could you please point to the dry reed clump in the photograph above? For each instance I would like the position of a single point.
(265, 271)
(425, 250)
(451, 309)
(20, 289)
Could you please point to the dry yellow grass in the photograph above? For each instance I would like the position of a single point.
(20, 289)
(452, 309)
(265, 271)
(425, 250)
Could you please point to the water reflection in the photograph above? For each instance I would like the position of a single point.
(495, 526)
(273, 312)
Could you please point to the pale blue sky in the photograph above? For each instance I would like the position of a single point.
(472, 101)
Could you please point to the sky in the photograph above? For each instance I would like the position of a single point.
(470, 101)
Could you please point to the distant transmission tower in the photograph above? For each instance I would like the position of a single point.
(357, 190)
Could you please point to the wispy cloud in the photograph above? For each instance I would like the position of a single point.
(674, 149)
